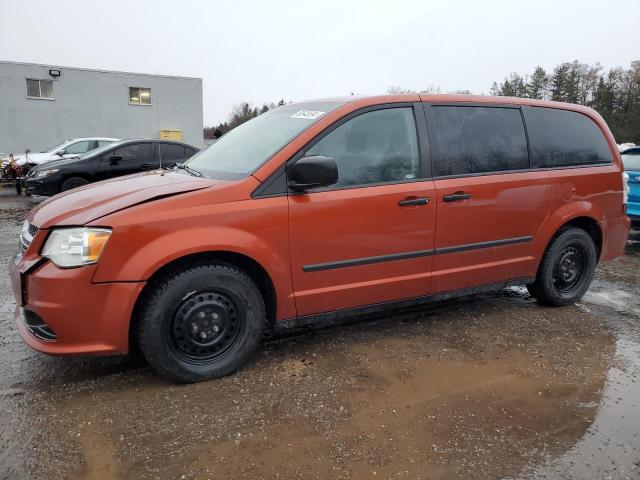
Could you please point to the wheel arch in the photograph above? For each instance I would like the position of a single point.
(592, 227)
(583, 215)
(249, 265)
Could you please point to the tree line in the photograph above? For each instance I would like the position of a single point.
(614, 94)
(240, 113)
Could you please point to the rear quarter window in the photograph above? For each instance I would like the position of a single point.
(562, 138)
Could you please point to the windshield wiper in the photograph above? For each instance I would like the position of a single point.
(192, 171)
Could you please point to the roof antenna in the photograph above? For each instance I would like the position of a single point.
(158, 125)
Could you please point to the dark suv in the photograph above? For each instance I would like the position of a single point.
(113, 160)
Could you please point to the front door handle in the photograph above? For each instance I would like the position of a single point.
(413, 201)
(146, 166)
(456, 197)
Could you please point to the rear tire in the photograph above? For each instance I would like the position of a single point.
(73, 182)
(566, 269)
(201, 323)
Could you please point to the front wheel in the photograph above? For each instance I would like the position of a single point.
(200, 323)
(566, 269)
(73, 182)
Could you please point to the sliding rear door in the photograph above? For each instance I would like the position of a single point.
(490, 204)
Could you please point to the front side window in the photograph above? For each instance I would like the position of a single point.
(467, 140)
(139, 96)
(240, 151)
(374, 147)
(137, 151)
(561, 138)
(78, 148)
(40, 88)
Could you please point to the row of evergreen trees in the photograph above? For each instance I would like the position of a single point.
(615, 94)
(240, 113)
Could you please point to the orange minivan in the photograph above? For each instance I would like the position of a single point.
(318, 211)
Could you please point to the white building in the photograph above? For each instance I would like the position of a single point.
(42, 105)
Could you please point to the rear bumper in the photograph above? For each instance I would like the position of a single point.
(86, 318)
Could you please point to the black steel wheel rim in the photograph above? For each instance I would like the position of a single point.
(569, 269)
(205, 327)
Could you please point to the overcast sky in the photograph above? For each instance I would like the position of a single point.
(262, 51)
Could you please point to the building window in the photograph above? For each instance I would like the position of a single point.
(139, 96)
(40, 88)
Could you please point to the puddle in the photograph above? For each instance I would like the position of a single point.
(610, 449)
(616, 299)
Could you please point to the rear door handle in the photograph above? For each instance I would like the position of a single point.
(146, 166)
(456, 197)
(413, 201)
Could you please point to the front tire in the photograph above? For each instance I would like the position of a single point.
(73, 182)
(566, 270)
(201, 323)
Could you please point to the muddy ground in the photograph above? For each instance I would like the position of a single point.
(490, 386)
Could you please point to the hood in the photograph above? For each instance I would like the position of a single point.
(85, 204)
(56, 162)
(36, 158)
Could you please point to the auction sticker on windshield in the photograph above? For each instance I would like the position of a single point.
(307, 114)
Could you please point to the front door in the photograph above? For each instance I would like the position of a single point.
(490, 205)
(370, 237)
(130, 158)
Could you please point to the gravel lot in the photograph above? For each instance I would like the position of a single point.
(489, 386)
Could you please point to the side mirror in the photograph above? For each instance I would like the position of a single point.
(27, 151)
(312, 172)
(114, 159)
(61, 153)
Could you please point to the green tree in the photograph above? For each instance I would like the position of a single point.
(559, 82)
(538, 84)
(614, 94)
(512, 86)
(240, 113)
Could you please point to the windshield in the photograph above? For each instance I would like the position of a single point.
(60, 146)
(246, 147)
(631, 161)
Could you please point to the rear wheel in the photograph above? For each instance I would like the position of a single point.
(73, 182)
(203, 322)
(566, 269)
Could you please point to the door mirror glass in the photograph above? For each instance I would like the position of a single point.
(312, 172)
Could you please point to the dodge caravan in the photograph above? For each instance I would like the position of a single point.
(318, 211)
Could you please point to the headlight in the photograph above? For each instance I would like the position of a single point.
(46, 173)
(74, 247)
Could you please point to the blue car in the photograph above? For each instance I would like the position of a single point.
(631, 162)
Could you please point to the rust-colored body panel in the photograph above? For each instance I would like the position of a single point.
(88, 318)
(502, 207)
(158, 218)
(356, 223)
